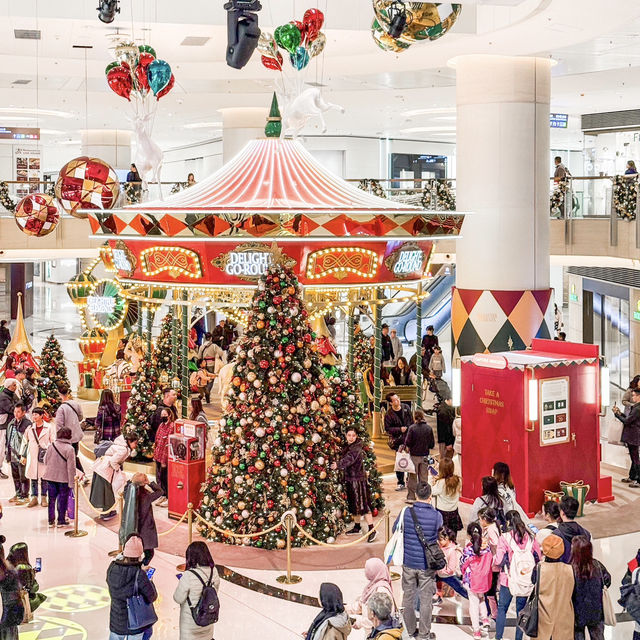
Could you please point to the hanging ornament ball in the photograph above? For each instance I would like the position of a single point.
(315, 438)
(330, 540)
(296, 377)
(308, 513)
(299, 439)
(87, 183)
(259, 465)
(315, 405)
(280, 544)
(37, 214)
(284, 473)
(260, 432)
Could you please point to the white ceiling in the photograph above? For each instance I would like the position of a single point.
(596, 45)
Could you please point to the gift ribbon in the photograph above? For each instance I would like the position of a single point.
(554, 496)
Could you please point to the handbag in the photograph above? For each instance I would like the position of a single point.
(433, 554)
(71, 505)
(394, 549)
(404, 462)
(26, 605)
(140, 613)
(41, 452)
(528, 617)
(607, 606)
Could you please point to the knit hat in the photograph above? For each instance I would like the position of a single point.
(553, 547)
(133, 547)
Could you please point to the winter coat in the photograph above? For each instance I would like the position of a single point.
(28, 393)
(387, 348)
(15, 433)
(108, 421)
(393, 423)
(190, 587)
(60, 462)
(445, 501)
(12, 609)
(587, 596)
(337, 627)
(419, 439)
(402, 376)
(109, 466)
(69, 414)
(429, 342)
(510, 502)
(631, 422)
(35, 470)
(5, 338)
(453, 555)
(476, 569)
(430, 520)
(352, 462)
(436, 363)
(156, 419)
(555, 610)
(396, 345)
(121, 578)
(446, 416)
(568, 531)
(161, 445)
(8, 400)
(146, 522)
(389, 630)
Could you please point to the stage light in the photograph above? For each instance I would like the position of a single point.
(107, 10)
(533, 400)
(605, 389)
(242, 31)
(397, 12)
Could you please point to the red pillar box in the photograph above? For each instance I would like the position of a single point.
(186, 465)
(538, 411)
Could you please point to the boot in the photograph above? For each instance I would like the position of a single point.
(33, 502)
(354, 530)
(44, 501)
(373, 534)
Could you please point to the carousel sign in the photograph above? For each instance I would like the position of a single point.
(250, 261)
(407, 261)
(107, 305)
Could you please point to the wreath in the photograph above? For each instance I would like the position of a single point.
(437, 195)
(5, 199)
(625, 196)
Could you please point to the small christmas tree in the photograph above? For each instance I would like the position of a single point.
(362, 357)
(143, 401)
(276, 442)
(161, 357)
(53, 372)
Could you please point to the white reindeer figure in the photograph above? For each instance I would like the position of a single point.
(309, 103)
(148, 154)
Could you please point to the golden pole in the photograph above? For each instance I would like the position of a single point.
(387, 526)
(76, 533)
(190, 521)
(288, 579)
(118, 551)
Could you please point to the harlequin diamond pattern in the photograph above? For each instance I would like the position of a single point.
(490, 321)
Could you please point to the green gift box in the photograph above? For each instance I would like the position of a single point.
(577, 490)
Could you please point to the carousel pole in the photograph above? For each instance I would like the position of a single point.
(149, 327)
(184, 377)
(377, 364)
(140, 310)
(350, 325)
(419, 347)
(175, 326)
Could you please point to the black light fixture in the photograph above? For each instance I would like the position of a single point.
(107, 10)
(397, 13)
(242, 31)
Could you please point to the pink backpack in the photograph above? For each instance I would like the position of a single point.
(481, 575)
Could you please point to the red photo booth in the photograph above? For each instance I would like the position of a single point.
(538, 411)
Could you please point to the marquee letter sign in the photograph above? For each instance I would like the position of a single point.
(341, 261)
(250, 261)
(123, 259)
(177, 261)
(407, 261)
(106, 304)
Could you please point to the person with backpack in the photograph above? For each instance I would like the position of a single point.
(491, 538)
(490, 498)
(475, 566)
(197, 594)
(518, 553)
(386, 626)
(507, 490)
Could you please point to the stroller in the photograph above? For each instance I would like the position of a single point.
(441, 390)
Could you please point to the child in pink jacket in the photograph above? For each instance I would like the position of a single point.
(453, 554)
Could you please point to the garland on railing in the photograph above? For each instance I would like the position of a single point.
(133, 192)
(372, 186)
(5, 199)
(558, 197)
(445, 199)
(625, 196)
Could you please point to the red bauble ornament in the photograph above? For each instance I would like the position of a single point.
(276, 463)
(307, 337)
(300, 429)
(277, 299)
(264, 364)
(270, 504)
(291, 348)
(374, 512)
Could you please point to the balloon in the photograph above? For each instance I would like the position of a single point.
(288, 37)
(111, 65)
(316, 47)
(141, 71)
(158, 75)
(300, 26)
(267, 45)
(163, 92)
(119, 80)
(127, 52)
(145, 48)
(313, 20)
(272, 63)
(300, 59)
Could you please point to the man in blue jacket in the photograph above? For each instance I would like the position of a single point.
(417, 579)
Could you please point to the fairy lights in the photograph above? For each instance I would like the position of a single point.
(341, 261)
(177, 261)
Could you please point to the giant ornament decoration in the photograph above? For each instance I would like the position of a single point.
(37, 214)
(87, 183)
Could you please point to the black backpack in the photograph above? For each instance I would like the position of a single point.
(207, 609)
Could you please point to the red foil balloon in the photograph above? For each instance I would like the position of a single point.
(272, 63)
(301, 29)
(163, 92)
(141, 70)
(312, 21)
(119, 80)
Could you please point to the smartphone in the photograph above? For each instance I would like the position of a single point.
(38, 565)
(150, 572)
(433, 471)
(178, 575)
(534, 528)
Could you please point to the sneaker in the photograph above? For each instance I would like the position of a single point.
(355, 530)
(14, 499)
(33, 503)
(477, 635)
(401, 487)
(3, 475)
(107, 516)
(22, 501)
(635, 484)
(627, 480)
(66, 523)
(486, 622)
(372, 536)
(52, 525)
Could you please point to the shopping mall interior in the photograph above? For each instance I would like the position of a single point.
(270, 247)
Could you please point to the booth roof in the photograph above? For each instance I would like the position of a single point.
(535, 359)
(274, 174)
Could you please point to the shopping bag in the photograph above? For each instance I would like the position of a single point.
(26, 605)
(528, 616)
(607, 606)
(394, 549)
(577, 490)
(404, 462)
(71, 505)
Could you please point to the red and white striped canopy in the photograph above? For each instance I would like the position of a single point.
(275, 174)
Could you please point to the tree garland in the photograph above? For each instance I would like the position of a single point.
(372, 186)
(558, 197)
(625, 196)
(5, 199)
(445, 199)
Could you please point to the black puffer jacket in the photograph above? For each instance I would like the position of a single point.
(8, 400)
(120, 580)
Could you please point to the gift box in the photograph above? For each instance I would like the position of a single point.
(577, 490)
(553, 496)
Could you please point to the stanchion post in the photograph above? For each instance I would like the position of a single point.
(118, 551)
(76, 533)
(289, 578)
(419, 347)
(387, 525)
(190, 521)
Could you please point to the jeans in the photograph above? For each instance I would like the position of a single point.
(400, 476)
(456, 584)
(59, 491)
(19, 479)
(143, 635)
(504, 602)
(162, 478)
(422, 475)
(596, 632)
(34, 488)
(420, 582)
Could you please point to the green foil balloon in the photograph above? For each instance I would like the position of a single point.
(288, 37)
(145, 48)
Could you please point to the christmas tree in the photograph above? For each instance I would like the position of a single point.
(349, 414)
(143, 401)
(53, 372)
(277, 441)
(362, 355)
(161, 357)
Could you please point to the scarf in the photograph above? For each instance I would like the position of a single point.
(332, 604)
(377, 573)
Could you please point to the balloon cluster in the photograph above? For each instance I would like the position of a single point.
(301, 41)
(398, 24)
(137, 72)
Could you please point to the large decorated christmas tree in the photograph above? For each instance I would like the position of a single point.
(141, 405)
(277, 440)
(161, 357)
(53, 372)
(362, 355)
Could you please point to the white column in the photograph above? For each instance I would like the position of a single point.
(503, 172)
(239, 126)
(111, 145)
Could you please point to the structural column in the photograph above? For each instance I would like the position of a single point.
(377, 365)
(502, 298)
(184, 377)
(419, 347)
(239, 126)
(350, 327)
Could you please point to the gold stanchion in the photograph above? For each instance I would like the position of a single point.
(182, 566)
(387, 526)
(76, 533)
(288, 579)
(118, 551)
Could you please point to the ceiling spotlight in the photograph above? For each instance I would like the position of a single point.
(397, 13)
(107, 10)
(242, 31)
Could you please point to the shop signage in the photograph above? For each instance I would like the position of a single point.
(636, 313)
(407, 261)
(573, 296)
(558, 120)
(123, 259)
(489, 361)
(106, 304)
(19, 133)
(176, 261)
(342, 261)
(554, 411)
(250, 261)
